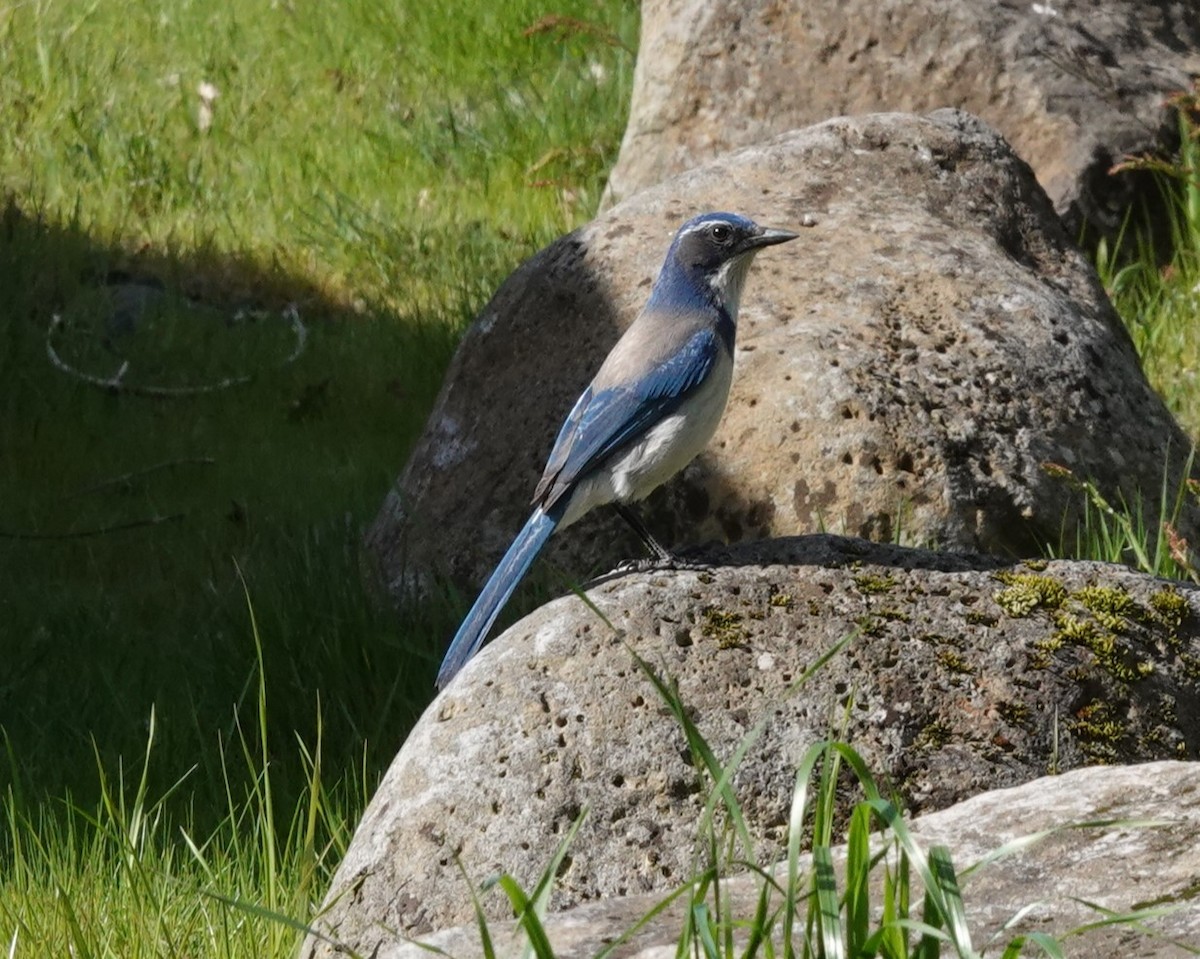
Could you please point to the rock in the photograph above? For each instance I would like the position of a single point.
(1117, 867)
(1073, 85)
(961, 676)
(904, 369)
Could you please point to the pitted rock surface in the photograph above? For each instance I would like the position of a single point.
(1075, 85)
(961, 676)
(903, 370)
(1049, 884)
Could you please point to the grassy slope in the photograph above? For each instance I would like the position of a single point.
(383, 167)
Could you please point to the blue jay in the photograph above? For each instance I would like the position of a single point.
(652, 406)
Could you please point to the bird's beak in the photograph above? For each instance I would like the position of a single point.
(769, 237)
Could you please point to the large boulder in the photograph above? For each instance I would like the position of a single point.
(1140, 853)
(1073, 84)
(903, 371)
(960, 676)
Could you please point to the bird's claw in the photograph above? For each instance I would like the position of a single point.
(637, 565)
(662, 564)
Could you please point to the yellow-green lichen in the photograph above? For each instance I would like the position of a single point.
(871, 625)
(1098, 732)
(781, 600)
(724, 626)
(1107, 599)
(1015, 714)
(1169, 608)
(1040, 658)
(870, 584)
(1025, 592)
(1112, 608)
(1188, 893)
(1073, 629)
(933, 735)
(977, 617)
(1095, 635)
(1166, 709)
(954, 662)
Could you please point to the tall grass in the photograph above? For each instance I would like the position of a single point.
(382, 168)
(451, 133)
(377, 167)
(1151, 270)
(133, 874)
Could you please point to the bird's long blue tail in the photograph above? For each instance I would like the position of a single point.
(496, 592)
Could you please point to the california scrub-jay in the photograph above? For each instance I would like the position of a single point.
(653, 405)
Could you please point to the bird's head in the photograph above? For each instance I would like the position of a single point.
(713, 252)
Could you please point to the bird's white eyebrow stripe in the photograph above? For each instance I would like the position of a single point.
(705, 225)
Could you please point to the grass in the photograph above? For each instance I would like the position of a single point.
(378, 169)
(129, 877)
(1151, 271)
(382, 169)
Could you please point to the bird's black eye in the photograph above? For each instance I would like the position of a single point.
(720, 232)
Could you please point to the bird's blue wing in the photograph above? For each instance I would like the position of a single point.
(603, 420)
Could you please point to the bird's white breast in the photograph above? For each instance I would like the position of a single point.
(665, 449)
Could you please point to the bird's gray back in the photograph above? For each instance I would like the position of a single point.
(654, 338)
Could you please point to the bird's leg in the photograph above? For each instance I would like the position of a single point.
(661, 553)
(663, 557)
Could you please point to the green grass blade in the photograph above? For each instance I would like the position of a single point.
(276, 919)
(700, 748)
(1022, 843)
(1133, 918)
(762, 922)
(527, 917)
(829, 924)
(955, 914)
(660, 907)
(702, 926)
(819, 663)
(481, 922)
(80, 944)
(799, 810)
(858, 873)
(942, 900)
(541, 893)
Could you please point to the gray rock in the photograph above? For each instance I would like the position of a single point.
(1118, 867)
(1073, 84)
(904, 369)
(962, 676)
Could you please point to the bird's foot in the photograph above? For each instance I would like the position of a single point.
(643, 565)
(662, 564)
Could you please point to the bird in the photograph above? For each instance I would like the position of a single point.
(651, 408)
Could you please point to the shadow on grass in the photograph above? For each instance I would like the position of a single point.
(127, 522)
